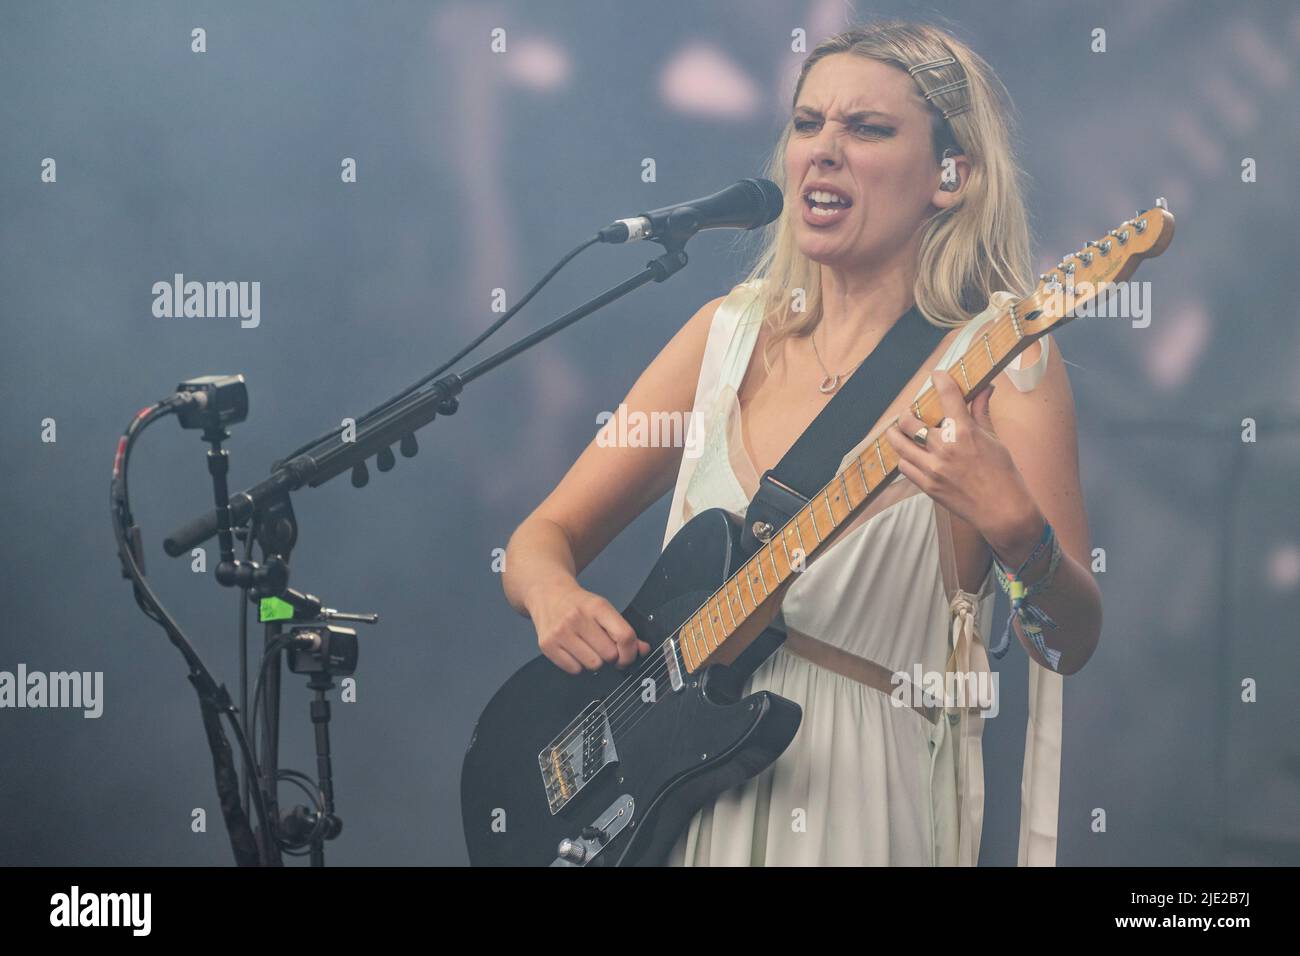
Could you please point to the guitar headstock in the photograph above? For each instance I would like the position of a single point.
(1083, 275)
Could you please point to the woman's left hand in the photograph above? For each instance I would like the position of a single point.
(964, 467)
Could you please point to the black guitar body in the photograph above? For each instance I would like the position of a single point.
(543, 786)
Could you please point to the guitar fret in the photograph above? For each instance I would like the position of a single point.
(749, 581)
(866, 485)
(771, 555)
(848, 498)
(721, 621)
(699, 638)
(758, 563)
(881, 455)
(812, 513)
(961, 362)
(708, 617)
(988, 348)
(788, 562)
(799, 534)
(916, 407)
(729, 614)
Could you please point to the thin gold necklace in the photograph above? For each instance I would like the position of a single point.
(832, 381)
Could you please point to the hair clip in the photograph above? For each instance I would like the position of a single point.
(932, 65)
(947, 88)
(963, 83)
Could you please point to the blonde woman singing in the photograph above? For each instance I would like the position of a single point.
(901, 190)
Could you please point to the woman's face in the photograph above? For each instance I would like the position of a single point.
(861, 130)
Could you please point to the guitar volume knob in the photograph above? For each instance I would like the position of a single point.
(572, 851)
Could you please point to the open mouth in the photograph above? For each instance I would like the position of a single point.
(824, 202)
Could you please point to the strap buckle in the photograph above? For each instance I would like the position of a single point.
(774, 504)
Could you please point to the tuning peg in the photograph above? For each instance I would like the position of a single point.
(448, 406)
(1162, 204)
(408, 446)
(360, 475)
(385, 459)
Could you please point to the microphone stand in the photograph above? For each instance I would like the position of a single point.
(274, 528)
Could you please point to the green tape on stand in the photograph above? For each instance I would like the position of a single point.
(273, 609)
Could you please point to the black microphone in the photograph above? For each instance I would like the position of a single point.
(748, 204)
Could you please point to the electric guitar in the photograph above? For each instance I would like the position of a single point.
(607, 768)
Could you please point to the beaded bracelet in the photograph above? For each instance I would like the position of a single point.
(1032, 618)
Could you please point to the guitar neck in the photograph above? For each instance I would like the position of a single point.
(723, 616)
(729, 620)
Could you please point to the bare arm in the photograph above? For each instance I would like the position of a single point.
(607, 487)
(1011, 463)
(1038, 428)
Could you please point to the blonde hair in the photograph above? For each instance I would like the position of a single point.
(978, 246)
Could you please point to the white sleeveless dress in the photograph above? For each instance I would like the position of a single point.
(864, 782)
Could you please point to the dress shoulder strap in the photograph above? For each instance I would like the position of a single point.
(1024, 378)
(730, 342)
(744, 319)
(732, 333)
(1041, 770)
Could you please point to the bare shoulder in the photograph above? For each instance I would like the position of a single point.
(695, 333)
(1038, 428)
(614, 479)
(668, 382)
(1050, 400)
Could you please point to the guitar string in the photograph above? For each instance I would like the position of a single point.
(618, 707)
(621, 707)
(613, 707)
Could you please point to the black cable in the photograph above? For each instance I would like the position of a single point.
(127, 538)
(249, 770)
(491, 329)
(318, 801)
(272, 651)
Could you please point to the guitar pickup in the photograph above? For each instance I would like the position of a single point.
(573, 759)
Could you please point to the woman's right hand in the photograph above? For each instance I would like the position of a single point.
(577, 629)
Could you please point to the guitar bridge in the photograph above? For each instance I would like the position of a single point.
(580, 751)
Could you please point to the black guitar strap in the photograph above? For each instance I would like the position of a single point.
(815, 457)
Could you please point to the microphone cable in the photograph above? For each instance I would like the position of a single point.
(483, 337)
